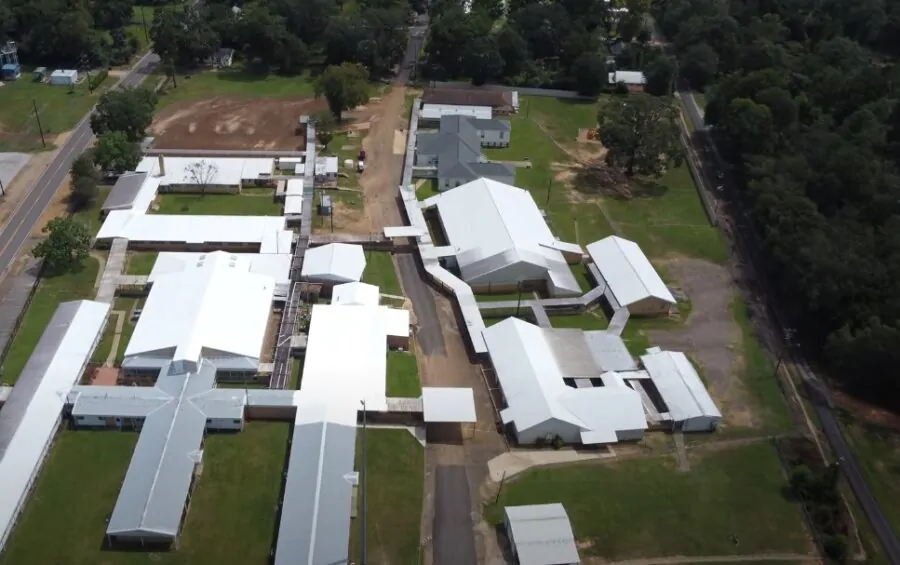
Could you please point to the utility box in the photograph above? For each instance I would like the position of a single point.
(61, 77)
(325, 208)
(11, 71)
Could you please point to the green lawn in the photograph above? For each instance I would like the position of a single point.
(140, 262)
(236, 82)
(395, 464)
(218, 204)
(58, 107)
(647, 508)
(380, 272)
(427, 189)
(126, 305)
(296, 374)
(50, 293)
(403, 375)
(237, 492)
(101, 352)
(759, 375)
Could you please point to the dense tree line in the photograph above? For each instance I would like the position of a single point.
(803, 96)
(562, 44)
(285, 36)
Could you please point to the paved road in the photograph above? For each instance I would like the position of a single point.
(17, 230)
(454, 541)
(747, 241)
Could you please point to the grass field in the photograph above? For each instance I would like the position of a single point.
(647, 508)
(140, 262)
(395, 464)
(237, 492)
(218, 204)
(403, 375)
(59, 109)
(126, 305)
(236, 82)
(380, 272)
(877, 450)
(50, 293)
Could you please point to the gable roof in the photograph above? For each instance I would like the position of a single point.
(629, 274)
(458, 148)
(338, 262)
(542, 534)
(679, 385)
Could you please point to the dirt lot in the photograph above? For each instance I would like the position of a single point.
(710, 335)
(227, 122)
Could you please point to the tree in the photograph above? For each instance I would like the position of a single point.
(640, 133)
(483, 61)
(589, 72)
(84, 177)
(660, 74)
(325, 125)
(201, 174)
(699, 65)
(126, 110)
(344, 86)
(183, 36)
(114, 153)
(66, 247)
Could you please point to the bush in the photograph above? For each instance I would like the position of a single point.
(97, 79)
(558, 443)
(836, 548)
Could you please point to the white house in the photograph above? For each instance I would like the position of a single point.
(554, 387)
(632, 280)
(497, 238)
(334, 263)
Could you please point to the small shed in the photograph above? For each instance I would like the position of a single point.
(62, 77)
(11, 71)
(40, 74)
(334, 263)
(541, 534)
(223, 58)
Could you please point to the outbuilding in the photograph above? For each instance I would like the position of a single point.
(61, 77)
(541, 534)
(685, 397)
(632, 281)
(334, 263)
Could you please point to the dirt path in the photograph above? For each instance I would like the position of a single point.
(679, 560)
(384, 168)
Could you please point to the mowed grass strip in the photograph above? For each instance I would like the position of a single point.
(141, 262)
(236, 82)
(380, 272)
(395, 468)
(877, 448)
(231, 518)
(218, 205)
(50, 293)
(403, 375)
(647, 508)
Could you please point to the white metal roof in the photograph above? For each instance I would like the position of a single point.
(542, 534)
(346, 353)
(355, 294)
(335, 262)
(275, 265)
(212, 170)
(443, 404)
(679, 385)
(532, 383)
(28, 426)
(217, 308)
(435, 111)
(326, 165)
(191, 229)
(293, 205)
(627, 77)
(493, 226)
(294, 187)
(627, 271)
(402, 231)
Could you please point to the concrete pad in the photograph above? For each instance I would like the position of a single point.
(10, 165)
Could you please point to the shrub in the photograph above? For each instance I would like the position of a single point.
(97, 79)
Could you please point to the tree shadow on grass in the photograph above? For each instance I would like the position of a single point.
(610, 183)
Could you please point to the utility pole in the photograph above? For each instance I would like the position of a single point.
(38, 118)
(549, 184)
(2, 190)
(519, 300)
(362, 491)
(144, 21)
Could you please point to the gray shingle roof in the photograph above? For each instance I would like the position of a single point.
(124, 191)
(458, 149)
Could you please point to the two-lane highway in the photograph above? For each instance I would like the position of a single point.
(747, 240)
(17, 230)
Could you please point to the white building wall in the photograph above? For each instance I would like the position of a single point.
(700, 424)
(548, 430)
(630, 435)
(224, 424)
(90, 422)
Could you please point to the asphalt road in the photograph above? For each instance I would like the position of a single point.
(746, 238)
(17, 230)
(454, 541)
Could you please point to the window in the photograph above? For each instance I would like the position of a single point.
(502, 133)
(236, 421)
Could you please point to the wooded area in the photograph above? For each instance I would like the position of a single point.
(286, 36)
(803, 95)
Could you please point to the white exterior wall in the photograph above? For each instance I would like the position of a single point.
(548, 429)
(630, 435)
(494, 138)
(700, 424)
(224, 424)
(90, 422)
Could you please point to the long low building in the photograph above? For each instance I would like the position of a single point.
(497, 238)
(207, 174)
(275, 265)
(258, 234)
(31, 415)
(686, 399)
(560, 384)
(630, 277)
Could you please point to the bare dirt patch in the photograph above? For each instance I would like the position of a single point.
(710, 335)
(59, 206)
(399, 142)
(227, 122)
(867, 413)
(27, 177)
